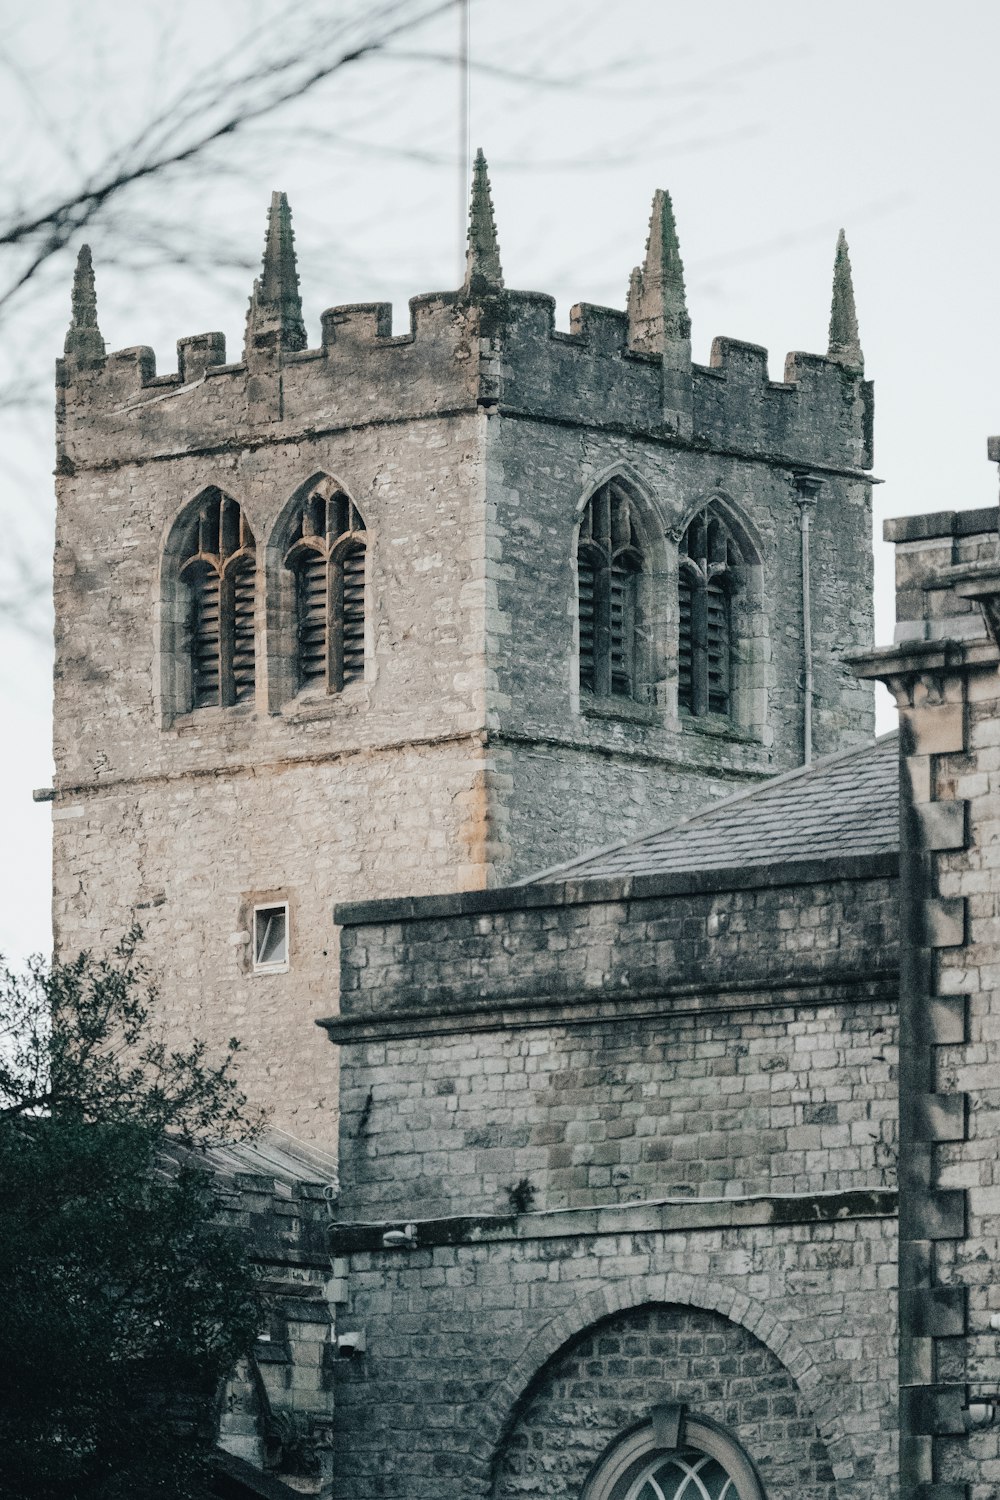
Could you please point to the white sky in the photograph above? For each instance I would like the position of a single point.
(771, 122)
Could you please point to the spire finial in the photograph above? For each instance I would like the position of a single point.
(657, 305)
(274, 320)
(845, 343)
(658, 319)
(83, 338)
(483, 272)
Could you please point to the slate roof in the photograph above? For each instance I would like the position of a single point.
(841, 805)
(276, 1155)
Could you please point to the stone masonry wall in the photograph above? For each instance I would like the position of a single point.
(672, 1092)
(595, 1389)
(539, 476)
(457, 1381)
(381, 788)
(284, 1389)
(456, 763)
(610, 1050)
(791, 1099)
(943, 671)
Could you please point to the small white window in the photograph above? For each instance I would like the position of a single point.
(270, 939)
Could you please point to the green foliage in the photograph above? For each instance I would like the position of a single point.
(124, 1307)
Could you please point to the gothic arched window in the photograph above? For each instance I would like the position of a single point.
(709, 567)
(219, 568)
(609, 563)
(327, 556)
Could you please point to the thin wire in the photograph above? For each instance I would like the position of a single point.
(464, 111)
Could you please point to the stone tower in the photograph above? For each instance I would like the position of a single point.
(409, 614)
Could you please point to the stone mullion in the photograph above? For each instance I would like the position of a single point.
(227, 631)
(699, 645)
(335, 624)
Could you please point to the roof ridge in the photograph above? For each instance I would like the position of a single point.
(825, 762)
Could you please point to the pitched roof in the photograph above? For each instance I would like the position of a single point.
(844, 804)
(276, 1155)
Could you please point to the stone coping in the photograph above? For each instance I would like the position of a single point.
(594, 1008)
(657, 1216)
(940, 523)
(617, 888)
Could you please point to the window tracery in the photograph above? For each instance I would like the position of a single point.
(219, 568)
(328, 557)
(609, 565)
(702, 1461)
(687, 1475)
(709, 567)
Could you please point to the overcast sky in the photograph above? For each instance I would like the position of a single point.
(771, 122)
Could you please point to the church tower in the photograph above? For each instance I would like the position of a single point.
(424, 613)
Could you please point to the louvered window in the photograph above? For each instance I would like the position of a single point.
(328, 556)
(709, 565)
(220, 571)
(609, 562)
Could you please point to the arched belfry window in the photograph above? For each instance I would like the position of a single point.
(609, 561)
(327, 557)
(710, 569)
(218, 566)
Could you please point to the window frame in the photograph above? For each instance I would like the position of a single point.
(256, 966)
(224, 546)
(628, 1460)
(333, 544)
(733, 575)
(611, 536)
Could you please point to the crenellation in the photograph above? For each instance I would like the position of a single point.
(364, 322)
(198, 353)
(604, 328)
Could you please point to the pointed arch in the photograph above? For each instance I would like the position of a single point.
(208, 611)
(318, 562)
(618, 547)
(718, 586)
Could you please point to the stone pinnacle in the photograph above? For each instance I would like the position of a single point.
(83, 338)
(483, 272)
(656, 301)
(275, 316)
(845, 343)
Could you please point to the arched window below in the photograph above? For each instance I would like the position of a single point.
(327, 556)
(687, 1475)
(705, 1463)
(219, 569)
(609, 565)
(710, 567)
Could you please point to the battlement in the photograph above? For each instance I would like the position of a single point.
(934, 551)
(482, 346)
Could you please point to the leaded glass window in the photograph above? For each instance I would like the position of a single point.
(687, 1475)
